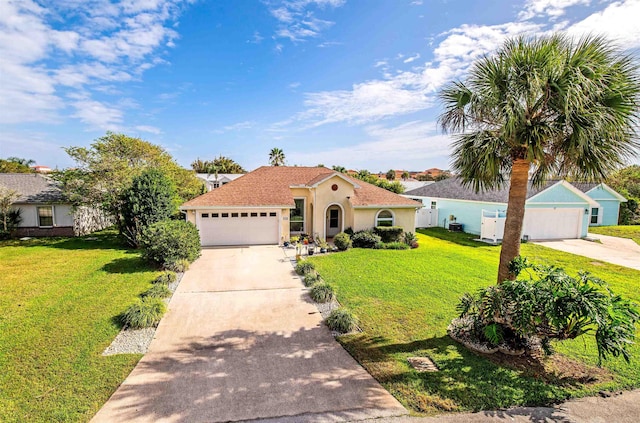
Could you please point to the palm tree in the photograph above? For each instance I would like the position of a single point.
(391, 175)
(405, 175)
(340, 169)
(547, 105)
(276, 157)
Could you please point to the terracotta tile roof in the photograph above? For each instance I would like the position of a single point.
(271, 186)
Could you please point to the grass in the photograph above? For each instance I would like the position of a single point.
(406, 299)
(60, 301)
(623, 231)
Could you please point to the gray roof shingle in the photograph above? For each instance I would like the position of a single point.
(453, 188)
(33, 187)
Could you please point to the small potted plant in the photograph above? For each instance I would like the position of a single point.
(323, 246)
(311, 249)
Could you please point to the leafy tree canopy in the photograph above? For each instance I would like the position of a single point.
(220, 164)
(106, 168)
(16, 165)
(626, 181)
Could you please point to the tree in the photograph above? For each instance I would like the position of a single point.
(10, 218)
(391, 175)
(340, 169)
(16, 165)
(108, 166)
(405, 175)
(220, 164)
(276, 157)
(424, 178)
(626, 181)
(546, 105)
(150, 199)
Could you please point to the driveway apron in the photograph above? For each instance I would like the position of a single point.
(242, 341)
(620, 251)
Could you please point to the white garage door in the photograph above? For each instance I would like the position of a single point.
(553, 223)
(230, 227)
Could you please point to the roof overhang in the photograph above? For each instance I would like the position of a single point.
(275, 206)
(339, 175)
(389, 206)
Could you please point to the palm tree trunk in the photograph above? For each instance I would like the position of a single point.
(515, 216)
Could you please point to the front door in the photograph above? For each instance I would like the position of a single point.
(334, 221)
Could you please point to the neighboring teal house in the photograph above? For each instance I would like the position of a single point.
(557, 210)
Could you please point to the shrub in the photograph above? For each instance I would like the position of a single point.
(303, 267)
(396, 246)
(548, 305)
(179, 266)
(365, 239)
(409, 238)
(310, 278)
(389, 233)
(144, 313)
(342, 320)
(349, 231)
(165, 278)
(342, 241)
(151, 198)
(169, 241)
(158, 290)
(321, 292)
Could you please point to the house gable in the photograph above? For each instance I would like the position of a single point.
(604, 192)
(562, 193)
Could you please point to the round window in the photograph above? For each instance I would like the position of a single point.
(334, 187)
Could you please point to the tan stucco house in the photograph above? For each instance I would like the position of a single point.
(273, 203)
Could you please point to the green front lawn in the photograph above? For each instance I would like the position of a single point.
(406, 299)
(59, 302)
(622, 231)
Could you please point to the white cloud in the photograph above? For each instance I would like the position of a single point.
(97, 114)
(105, 42)
(149, 129)
(548, 8)
(408, 145)
(256, 38)
(297, 19)
(416, 3)
(412, 58)
(409, 91)
(294, 85)
(240, 126)
(618, 21)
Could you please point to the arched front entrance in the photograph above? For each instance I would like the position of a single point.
(333, 220)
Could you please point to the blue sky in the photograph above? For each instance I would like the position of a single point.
(338, 82)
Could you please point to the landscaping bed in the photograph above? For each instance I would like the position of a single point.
(61, 302)
(406, 299)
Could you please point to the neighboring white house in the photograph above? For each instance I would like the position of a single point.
(216, 180)
(412, 184)
(45, 211)
(557, 210)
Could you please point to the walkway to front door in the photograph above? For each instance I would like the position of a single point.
(242, 341)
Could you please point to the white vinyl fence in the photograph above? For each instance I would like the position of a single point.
(492, 226)
(426, 218)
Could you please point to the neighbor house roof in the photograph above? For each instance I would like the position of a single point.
(32, 187)
(211, 177)
(453, 188)
(271, 186)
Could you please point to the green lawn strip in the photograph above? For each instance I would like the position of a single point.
(60, 300)
(623, 231)
(406, 299)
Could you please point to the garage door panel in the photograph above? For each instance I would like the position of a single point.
(238, 230)
(552, 223)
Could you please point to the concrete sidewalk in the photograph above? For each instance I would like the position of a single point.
(622, 408)
(241, 341)
(620, 251)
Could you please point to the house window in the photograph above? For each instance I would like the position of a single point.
(234, 214)
(214, 215)
(205, 215)
(273, 214)
(296, 218)
(384, 218)
(225, 214)
(254, 214)
(45, 216)
(594, 215)
(263, 214)
(433, 205)
(216, 184)
(244, 214)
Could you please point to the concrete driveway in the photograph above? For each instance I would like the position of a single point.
(620, 251)
(242, 341)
